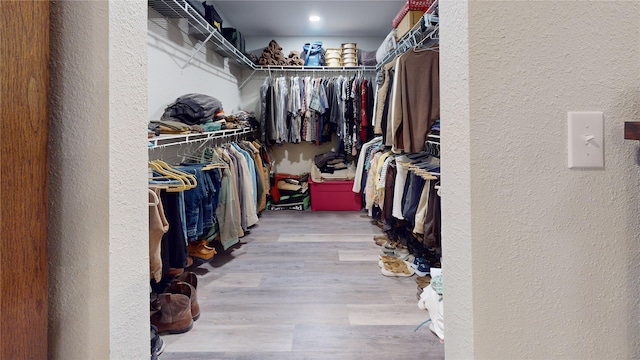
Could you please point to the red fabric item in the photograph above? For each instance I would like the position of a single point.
(275, 193)
(363, 110)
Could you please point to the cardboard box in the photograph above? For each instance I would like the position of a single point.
(334, 195)
(408, 21)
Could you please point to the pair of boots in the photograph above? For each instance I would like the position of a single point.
(178, 306)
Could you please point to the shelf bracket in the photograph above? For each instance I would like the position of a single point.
(247, 80)
(197, 50)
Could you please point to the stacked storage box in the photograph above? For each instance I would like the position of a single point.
(334, 57)
(409, 15)
(349, 54)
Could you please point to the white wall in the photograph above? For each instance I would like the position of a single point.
(98, 230)
(171, 74)
(457, 257)
(554, 251)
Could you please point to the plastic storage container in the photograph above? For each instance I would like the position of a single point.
(334, 195)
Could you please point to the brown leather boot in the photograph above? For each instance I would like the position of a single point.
(190, 278)
(200, 250)
(181, 287)
(174, 316)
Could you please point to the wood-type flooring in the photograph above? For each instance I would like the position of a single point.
(305, 285)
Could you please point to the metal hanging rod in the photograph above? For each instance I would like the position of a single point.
(308, 69)
(316, 68)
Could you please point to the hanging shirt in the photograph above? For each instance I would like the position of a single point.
(416, 99)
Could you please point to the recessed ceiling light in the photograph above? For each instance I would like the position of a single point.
(314, 18)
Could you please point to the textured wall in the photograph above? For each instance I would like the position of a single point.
(555, 255)
(456, 180)
(169, 48)
(98, 216)
(128, 198)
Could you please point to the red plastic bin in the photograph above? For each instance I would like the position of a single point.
(334, 195)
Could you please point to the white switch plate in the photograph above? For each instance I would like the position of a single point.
(586, 139)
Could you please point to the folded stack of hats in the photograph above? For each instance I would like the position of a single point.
(334, 57)
(272, 55)
(349, 54)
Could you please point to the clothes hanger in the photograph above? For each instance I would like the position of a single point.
(189, 179)
(170, 187)
(156, 200)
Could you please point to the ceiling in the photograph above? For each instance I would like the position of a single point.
(291, 18)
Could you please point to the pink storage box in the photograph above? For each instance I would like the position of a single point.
(334, 195)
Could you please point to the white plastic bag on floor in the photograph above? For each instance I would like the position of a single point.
(433, 303)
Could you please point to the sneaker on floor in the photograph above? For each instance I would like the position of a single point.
(157, 344)
(423, 269)
(391, 249)
(416, 261)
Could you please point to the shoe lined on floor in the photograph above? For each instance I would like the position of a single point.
(380, 240)
(396, 267)
(175, 271)
(199, 249)
(157, 344)
(174, 316)
(394, 250)
(423, 281)
(181, 287)
(416, 261)
(190, 278)
(423, 269)
(421, 266)
(388, 260)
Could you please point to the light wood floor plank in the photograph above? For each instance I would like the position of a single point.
(305, 285)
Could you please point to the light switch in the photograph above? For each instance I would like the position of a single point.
(586, 139)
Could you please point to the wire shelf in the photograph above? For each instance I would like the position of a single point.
(424, 32)
(200, 29)
(166, 140)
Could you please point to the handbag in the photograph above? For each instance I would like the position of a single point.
(314, 54)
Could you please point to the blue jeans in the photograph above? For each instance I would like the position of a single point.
(194, 203)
